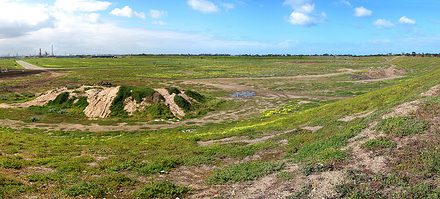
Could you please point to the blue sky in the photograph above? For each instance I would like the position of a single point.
(220, 26)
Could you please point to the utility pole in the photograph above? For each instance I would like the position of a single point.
(52, 51)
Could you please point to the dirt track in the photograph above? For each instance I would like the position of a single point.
(29, 66)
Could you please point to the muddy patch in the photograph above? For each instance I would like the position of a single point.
(19, 73)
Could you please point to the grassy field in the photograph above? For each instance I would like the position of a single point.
(8, 64)
(273, 147)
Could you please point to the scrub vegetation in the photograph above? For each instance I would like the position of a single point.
(291, 140)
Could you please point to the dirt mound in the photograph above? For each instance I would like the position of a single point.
(100, 101)
(44, 98)
(169, 101)
(382, 73)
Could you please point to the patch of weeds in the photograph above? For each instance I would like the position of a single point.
(157, 111)
(12, 162)
(402, 126)
(421, 190)
(100, 187)
(172, 90)
(196, 96)
(285, 176)
(244, 172)
(11, 187)
(60, 99)
(117, 108)
(379, 143)
(306, 148)
(163, 189)
(316, 168)
(34, 119)
(303, 193)
(157, 167)
(82, 103)
(182, 103)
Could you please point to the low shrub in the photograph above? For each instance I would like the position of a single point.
(172, 90)
(196, 96)
(379, 143)
(182, 103)
(244, 172)
(60, 99)
(163, 189)
(402, 126)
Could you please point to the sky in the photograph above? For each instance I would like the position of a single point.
(219, 26)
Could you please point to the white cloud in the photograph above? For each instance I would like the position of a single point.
(304, 13)
(17, 18)
(126, 11)
(406, 20)
(383, 23)
(157, 14)
(228, 6)
(81, 5)
(81, 31)
(298, 18)
(203, 6)
(362, 12)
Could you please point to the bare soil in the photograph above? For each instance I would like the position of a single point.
(100, 101)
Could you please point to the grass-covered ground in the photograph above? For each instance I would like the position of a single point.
(172, 163)
(8, 64)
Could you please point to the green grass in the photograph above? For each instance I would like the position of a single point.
(138, 94)
(162, 189)
(195, 95)
(243, 172)
(79, 162)
(9, 64)
(173, 90)
(60, 99)
(379, 143)
(99, 187)
(182, 103)
(402, 126)
(10, 187)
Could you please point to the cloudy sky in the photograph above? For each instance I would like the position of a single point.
(219, 26)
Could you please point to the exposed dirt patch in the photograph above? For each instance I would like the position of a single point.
(324, 184)
(312, 128)
(131, 106)
(382, 73)
(364, 159)
(100, 101)
(356, 116)
(43, 99)
(169, 101)
(242, 139)
(269, 186)
(433, 91)
(404, 109)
